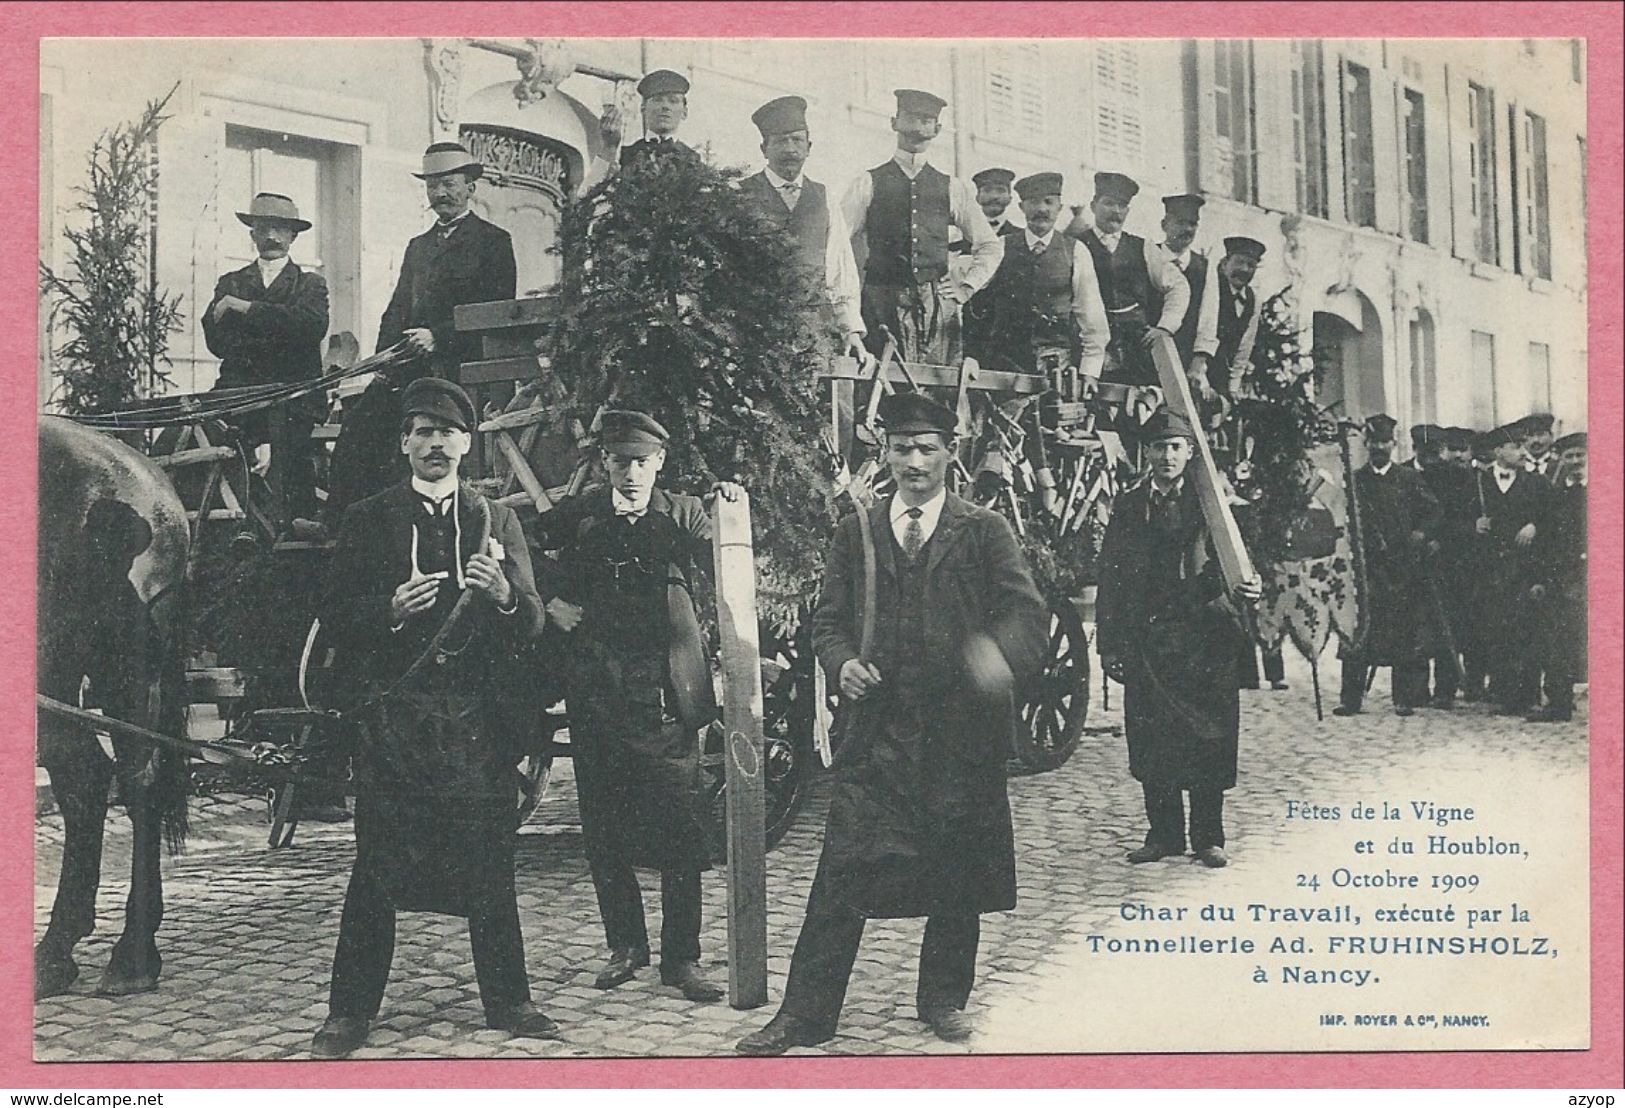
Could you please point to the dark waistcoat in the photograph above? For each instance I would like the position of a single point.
(1124, 279)
(809, 223)
(1232, 325)
(907, 226)
(1032, 294)
(1196, 278)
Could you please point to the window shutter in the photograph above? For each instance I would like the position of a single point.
(1014, 101)
(1119, 135)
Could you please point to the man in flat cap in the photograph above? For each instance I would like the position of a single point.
(1045, 297)
(900, 214)
(1451, 486)
(1457, 451)
(919, 818)
(1181, 218)
(266, 323)
(1560, 595)
(1511, 505)
(1229, 324)
(1399, 518)
(801, 206)
(462, 259)
(993, 196)
(434, 766)
(1169, 632)
(1427, 446)
(638, 688)
(1145, 294)
(664, 96)
(1539, 456)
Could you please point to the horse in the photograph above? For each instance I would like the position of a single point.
(113, 546)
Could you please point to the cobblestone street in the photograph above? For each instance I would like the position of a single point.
(248, 932)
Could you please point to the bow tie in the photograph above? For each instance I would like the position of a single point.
(629, 514)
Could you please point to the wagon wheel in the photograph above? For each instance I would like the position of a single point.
(1053, 716)
(787, 725)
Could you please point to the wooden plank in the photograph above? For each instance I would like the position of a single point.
(194, 456)
(516, 343)
(1235, 564)
(498, 370)
(325, 432)
(743, 752)
(215, 683)
(493, 315)
(924, 375)
(521, 470)
(507, 421)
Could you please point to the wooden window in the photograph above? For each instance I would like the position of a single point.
(1483, 391)
(1481, 173)
(1233, 118)
(1014, 98)
(1416, 166)
(1359, 158)
(1119, 136)
(1540, 376)
(1537, 216)
(1309, 127)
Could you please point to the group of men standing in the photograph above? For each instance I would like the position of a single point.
(1475, 568)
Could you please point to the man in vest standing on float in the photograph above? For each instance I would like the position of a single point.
(800, 205)
(993, 196)
(900, 213)
(1145, 293)
(1229, 322)
(1181, 218)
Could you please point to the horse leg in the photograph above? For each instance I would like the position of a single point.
(135, 964)
(80, 774)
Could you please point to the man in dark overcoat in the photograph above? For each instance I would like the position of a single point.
(1559, 597)
(462, 259)
(434, 761)
(1169, 633)
(638, 688)
(1399, 518)
(266, 323)
(1511, 504)
(930, 680)
(1451, 486)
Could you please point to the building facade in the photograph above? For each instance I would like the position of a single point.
(1426, 199)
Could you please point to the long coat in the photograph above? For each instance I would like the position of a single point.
(637, 673)
(1562, 564)
(1452, 487)
(1404, 613)
(1503, 571)
(278, 339)
(1161, 609)
(435, 757)
(919, 820)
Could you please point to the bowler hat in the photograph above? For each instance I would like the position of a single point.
(662, 80)
(631, 434)
(910, 413)
(1241, 244)
(1039, 184)
(1117, 185)
(440, 398)
(781, 116)
(1187, 204)
(993, 175)
(916, 102)
(273, 207)
(1165, 423)
(442, 158)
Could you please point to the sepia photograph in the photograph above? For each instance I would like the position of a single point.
(717, 547)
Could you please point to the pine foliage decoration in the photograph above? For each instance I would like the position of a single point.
(683, 301)
(117, 320)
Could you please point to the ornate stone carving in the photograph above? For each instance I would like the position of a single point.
(542, 65)
(443, 57)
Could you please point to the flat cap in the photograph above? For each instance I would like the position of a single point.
(1187, 204)
(910, 413)
(1241, 244)
(993, 175)
(273, 207)
(1039, 184)
(781, 116)
(631, 434)
(1380, 426)
(1574, 440)
(1458, 438)
(1538, 423)
(1119, 185)
(1165, 423)
(442, 158)
(440, 398)
(1507, 433)
(1424, 434)
(662, 80)
(917, 102)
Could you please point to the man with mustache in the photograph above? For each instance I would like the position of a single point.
(1144, 292)
(434, 764)
(919, 818)
(638, 687)
(900, 214)
(462, 259)
(1229, 321)
(801, 206)
(266, 323)
(1181, 218)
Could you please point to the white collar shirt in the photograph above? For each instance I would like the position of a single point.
(271, 269)
(625, 507)
(930, 514)
(1035, 241)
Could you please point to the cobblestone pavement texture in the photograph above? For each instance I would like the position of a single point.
(248, 932)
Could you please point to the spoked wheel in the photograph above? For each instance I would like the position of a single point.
(787, 726)
(1052, 718)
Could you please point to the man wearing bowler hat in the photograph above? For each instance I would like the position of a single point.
(1229, 323)
(638, 688)
(1145, 294)
(900, 214)
(1168, 631)
(434, 763)
(919, 818)
(266, 323)
(1181, 218)
(462, 259)
(791, 200)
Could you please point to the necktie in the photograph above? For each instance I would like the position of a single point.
(913, 535)
(792, 193)
(1038, 248)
